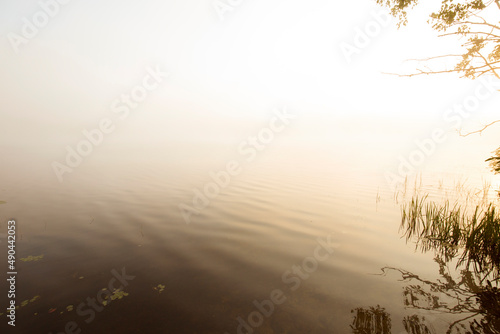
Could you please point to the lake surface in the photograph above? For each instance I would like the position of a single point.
(302, 230)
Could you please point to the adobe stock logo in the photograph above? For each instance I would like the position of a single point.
(31, 28)
(223, 6)
(455, 115)
(122, 106)
(249, 150)
(102, 299)
(292, 280)
(364, 36)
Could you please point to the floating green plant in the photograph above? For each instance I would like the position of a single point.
(28, 301)
(159, 288)
(117, 294)
(3, 202)
(32, 258)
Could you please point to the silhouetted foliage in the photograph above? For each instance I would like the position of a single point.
(495, 161)
(451, 232)
(474, 20)
(474, 240)
(468, 295)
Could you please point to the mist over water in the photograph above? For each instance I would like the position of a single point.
(120, 209)
(172, 171)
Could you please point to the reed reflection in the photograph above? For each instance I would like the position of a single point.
(466, 244)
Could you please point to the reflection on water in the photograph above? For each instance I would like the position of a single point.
(466, 246)
(121, 211)
(415, 324)
(375, 320)
(370, 321)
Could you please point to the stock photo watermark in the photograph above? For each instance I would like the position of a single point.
(363, 36)
(11, 272)
(102, 299)
(222, 7)
(121, 106)
(247, 149)
(31, 27)
(454, 116)
(292, 279)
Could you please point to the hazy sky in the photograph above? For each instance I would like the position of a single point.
(226, 74)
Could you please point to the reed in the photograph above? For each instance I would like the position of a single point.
(453, 231)
(495, 161)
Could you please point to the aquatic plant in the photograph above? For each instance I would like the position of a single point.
(32, 258)
(159, 288)
(495, 161)
(452, 231)
(117, 294)
(467, 235)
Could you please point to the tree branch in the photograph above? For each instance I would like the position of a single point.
(478, 131)
(469, 33)
(498, 3)
(431, 58)
(478, 23)
(489, 65)
(422, 73)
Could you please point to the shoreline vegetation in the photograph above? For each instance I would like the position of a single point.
(452, 231)
(466, 233)
(462, 229)
(467, 228)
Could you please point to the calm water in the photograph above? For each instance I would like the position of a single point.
(120, 211)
